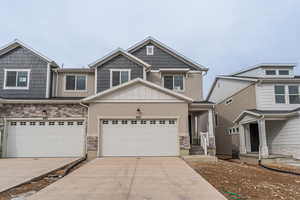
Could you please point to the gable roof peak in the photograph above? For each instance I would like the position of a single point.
(116, 52)
(16, 43)
(168, 50)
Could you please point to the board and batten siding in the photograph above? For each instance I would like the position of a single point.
(119, 62)
(22, 58)
(160, 58)
(265, 94)
(284, 137)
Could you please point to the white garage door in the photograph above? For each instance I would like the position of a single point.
(45, 139)
(140, 138)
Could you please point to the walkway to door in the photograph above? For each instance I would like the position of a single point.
(132, 179)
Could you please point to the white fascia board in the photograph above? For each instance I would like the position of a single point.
(243, 113)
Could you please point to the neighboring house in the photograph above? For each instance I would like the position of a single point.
(144, 101)
(257, 111)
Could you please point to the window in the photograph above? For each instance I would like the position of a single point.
(75, 82)
(133, 121)
(79, 123)
(284, 72)
(70, 123)
(32, 123)
(150, 50)
(294, 96)
(42, 123)
(51, 123)
(119, 76)
(143, 122)
(171, 121)
(61, 123)
(105, 122)
(270, 72)
(16, 78)
(152, 122)
(279, 94)
(173, 82)
(124, 121)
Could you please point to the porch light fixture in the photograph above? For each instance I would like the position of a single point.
(138, 113)
(44, 114)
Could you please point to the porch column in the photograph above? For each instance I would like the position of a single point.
(211, 130)
(193, 127)
(243, 149)
(263, 146)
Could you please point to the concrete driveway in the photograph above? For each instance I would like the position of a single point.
(146, 178)
(15, 171)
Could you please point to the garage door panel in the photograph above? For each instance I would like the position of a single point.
(45, 140)
(140, 139)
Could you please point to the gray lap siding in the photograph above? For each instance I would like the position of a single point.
(160, 59)
(21, 58)
(119, 62)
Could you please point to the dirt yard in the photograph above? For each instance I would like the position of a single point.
(241, 181)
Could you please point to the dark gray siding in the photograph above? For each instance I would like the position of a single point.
(119, 62)
(160, 59)
(21, 58)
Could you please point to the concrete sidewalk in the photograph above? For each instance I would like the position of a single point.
(15, 171)
(131, 179)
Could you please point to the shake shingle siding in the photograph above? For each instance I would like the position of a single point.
(160, 59)
(21, 58)
(119, 62)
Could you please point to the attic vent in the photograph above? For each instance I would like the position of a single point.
(228, 101)
(150, 50)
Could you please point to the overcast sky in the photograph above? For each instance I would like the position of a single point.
(223, 35)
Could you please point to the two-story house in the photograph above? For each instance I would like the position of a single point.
(257, 111)
(143, 101)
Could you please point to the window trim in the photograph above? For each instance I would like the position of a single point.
(119, 70)
(183, 82)
(288, 94)
(148, 47)
(281, 70)
(75, 90)
(285, 94)
(16, 87)
(271, 74)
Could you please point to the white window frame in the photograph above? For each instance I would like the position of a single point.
(75, 90)
(119, 70)
(16, 87)
(183, 79)
(270, 74)
(288, 94)
(150, 50)
(285, 95)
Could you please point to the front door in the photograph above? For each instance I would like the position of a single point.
(254, 137)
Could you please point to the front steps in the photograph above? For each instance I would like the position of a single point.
(196, 150)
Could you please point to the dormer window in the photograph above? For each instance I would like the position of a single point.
(270, 72)
(150, 50)
(284, 72)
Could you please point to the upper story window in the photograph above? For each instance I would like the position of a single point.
(174, 82)
(150, 50)
(294, 96)
(287, 94)
(75, 82)
(119, 76)
(271, 72)
(16, 78)
(284, 72)
(280, 94)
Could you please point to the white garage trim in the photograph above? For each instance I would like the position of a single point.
(58, 122)
(100, 128)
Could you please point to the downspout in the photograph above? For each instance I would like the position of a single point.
(86, 124)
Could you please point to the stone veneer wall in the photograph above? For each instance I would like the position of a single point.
(36, 110)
